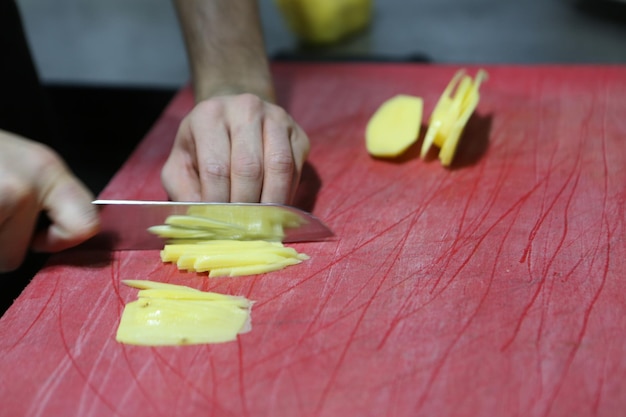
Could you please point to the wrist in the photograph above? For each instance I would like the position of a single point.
(262, 88)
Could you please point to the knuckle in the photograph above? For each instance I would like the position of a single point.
(250, 101)
(208, 111)
(15, 193)
(207, 108)
(216, 171)
(249, 106)
(248, 167)
(280, 163)
(278, 113)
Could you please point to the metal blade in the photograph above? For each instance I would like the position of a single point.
(125, 223)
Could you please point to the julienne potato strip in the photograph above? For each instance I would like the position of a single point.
(231, 257)
(170, 315)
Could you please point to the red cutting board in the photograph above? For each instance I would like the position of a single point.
(495, 288)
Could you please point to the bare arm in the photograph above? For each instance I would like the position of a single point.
(225, 47)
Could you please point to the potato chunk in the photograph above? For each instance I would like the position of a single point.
(394, 126)
(325, 21)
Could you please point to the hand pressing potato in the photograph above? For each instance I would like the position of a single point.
(236, 148)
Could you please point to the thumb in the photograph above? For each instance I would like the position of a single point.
(73, 218)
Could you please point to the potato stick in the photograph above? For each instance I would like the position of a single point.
(172, 232)
(143, 284)
(252, 269)
(198, 222)
(186, 262)
(171, 253)
(209, 262)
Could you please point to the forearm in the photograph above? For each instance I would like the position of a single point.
(225, 47)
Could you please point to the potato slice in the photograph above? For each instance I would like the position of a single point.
(451, 114)
(167, 314)
(163, 322)
(467, 107)
(394, 127)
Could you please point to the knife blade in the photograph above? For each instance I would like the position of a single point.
(137, 225)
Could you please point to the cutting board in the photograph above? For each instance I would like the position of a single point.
(493, 288)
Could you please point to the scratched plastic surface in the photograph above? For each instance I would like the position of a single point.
(496, 288)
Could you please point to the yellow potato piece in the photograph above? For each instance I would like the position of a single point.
(209, 262)
(194, 295)
(172, 251)
(325, 21)
(255, 269)
(240, 240)
(394, 127)
(175, 232)
(240, 222)
(199, 222)
(143, 284)
(232, 257)
(451, 114)
(163, 322)
(167, 314)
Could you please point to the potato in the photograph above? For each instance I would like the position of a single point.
(167, 315)
(394, 126)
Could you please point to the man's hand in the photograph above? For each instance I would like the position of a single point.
(236, 145)
(33, 179)
(236, 148)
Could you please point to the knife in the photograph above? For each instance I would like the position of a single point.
(141, 225)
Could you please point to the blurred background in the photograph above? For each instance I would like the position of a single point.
(138, 43)
(111, 66)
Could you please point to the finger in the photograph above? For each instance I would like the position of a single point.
(246, 172)
(73, 218)
(212, 142)
(279, 163)
(179, 175)
(300, 147)
(18, 214)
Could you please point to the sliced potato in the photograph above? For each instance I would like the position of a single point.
(231, 257)
(167, 314)
(394, 127)
(451, 114)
